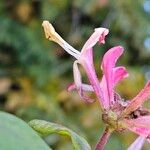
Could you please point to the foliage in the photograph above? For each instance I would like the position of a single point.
(15, 134)
(46, 128)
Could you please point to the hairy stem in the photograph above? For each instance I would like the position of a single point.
(103, 140)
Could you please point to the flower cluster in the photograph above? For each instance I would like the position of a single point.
(117, 114)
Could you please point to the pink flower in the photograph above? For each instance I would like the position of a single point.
(120, 115)
(85, 59)
(117, 114)
(136, 117)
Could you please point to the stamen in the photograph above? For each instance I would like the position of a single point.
(52, 35)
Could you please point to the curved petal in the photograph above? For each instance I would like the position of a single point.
(84, 97)
(141, 122)
(119, 74)
(108, 65)
(78, 82)
(71, 87)
(137, 144)
(98, 36)
(85, 87)
(77, 75)
(140, 131)
(138, 100)
(140, 126)
(87, 62)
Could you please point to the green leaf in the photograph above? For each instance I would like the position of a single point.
(15, 134)
(46, 128)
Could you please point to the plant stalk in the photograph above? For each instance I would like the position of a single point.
(103, 140)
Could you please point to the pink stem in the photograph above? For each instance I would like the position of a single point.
(103, 140)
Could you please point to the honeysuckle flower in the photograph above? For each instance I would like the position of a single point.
(117, 114)
(121, 115)
(84, 58)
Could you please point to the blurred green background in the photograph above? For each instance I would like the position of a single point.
(34, 72)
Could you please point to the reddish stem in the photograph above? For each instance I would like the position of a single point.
(103, 140)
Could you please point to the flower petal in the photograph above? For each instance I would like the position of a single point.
(85, 87)
(141, 122)
(119, 74)
(108, 64)
(137, 144)
(138, 100)
(140, 131)
(139, 127)
(71, 87)
(84, 97)
(98, 36)
(86, 61)
(78, 82)
(77, 75)
(103, 85)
